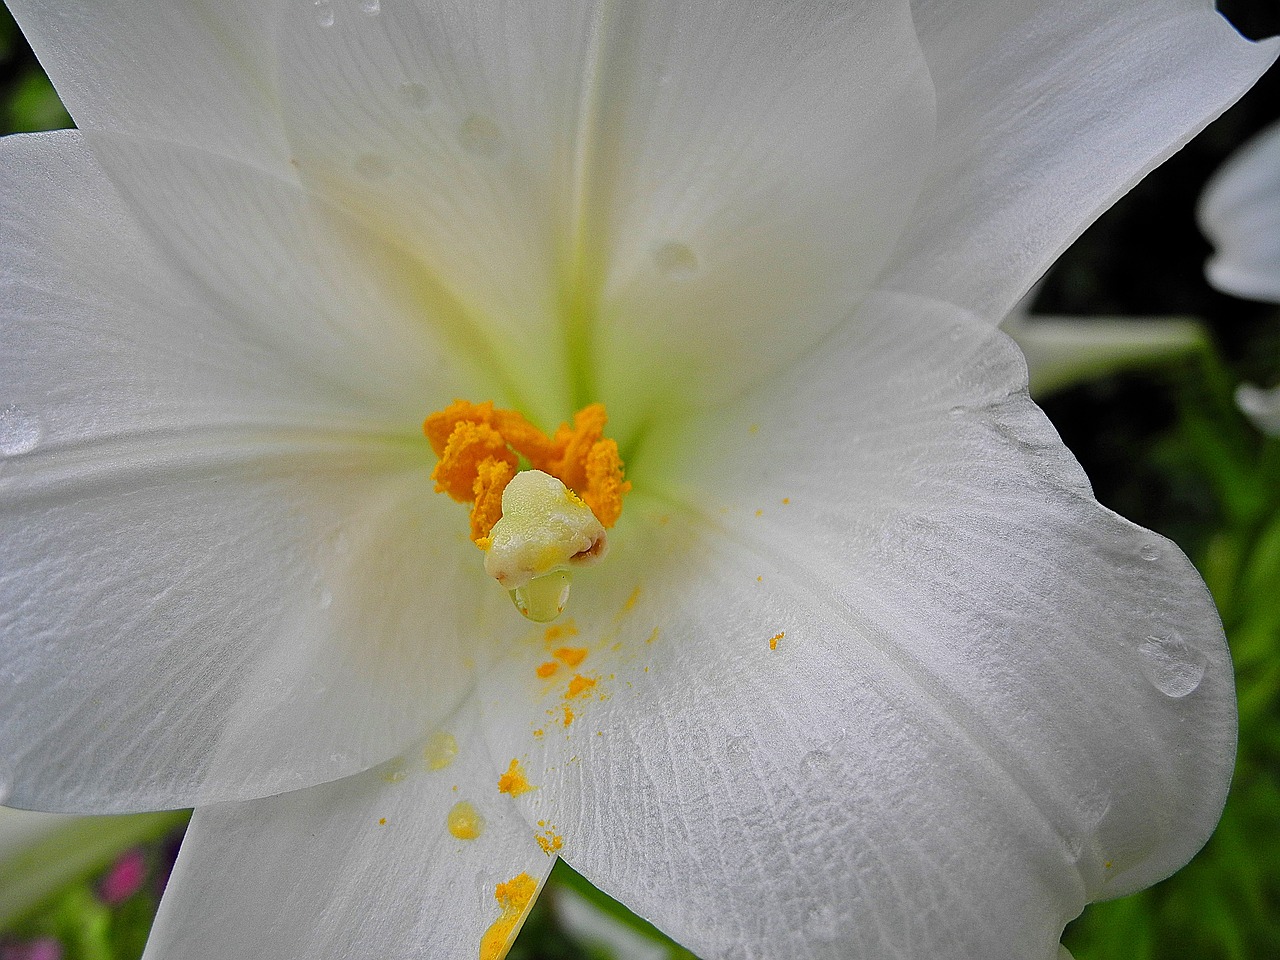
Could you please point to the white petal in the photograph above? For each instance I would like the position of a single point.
(594, 181)
(1261, 406)
(224, 572)
(198, 72)
(1046, 116)
(1064, 351)
(991, 700)
(364, 867)
(1240, 213)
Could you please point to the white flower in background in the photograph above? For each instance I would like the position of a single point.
(1063, 351)
(866, 669)
(1240, 214)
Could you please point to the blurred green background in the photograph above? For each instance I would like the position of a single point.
(1165, 447)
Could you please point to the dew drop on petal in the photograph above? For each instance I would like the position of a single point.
(371, 7)
(324, 12)
(414, 95)
(371, 166)
(1149, 551)
(1173, 666)
(19, 431)
(480, 136)
(675, 260)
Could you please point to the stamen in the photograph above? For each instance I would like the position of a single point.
(534, 530)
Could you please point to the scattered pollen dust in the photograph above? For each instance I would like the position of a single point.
(558, 631)
(549, 840)
(464, 821)
(568, 715)
(653, 636)
(631, 600)
(440, 750)
(579, 685)
(570, 656)
(773, 641)
(514, 899)
(514, 781)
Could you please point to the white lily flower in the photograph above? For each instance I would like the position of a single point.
(866, 670)
(1240, 213)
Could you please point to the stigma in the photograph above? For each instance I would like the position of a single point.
(540, 505)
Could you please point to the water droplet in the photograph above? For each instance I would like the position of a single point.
(1173, 666)
(464, 821)
(543, 598)
(737, 749)
(371, 166)
(676, 260)
(956, 412)
(371, 7)
(19, 431)
(1149, 551)
(414, 95)
(481, 136)
(324, 13)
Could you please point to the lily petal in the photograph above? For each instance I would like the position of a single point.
(589, 179)
(161, 453)
(1240, 213)
(365, 866)
(198, 73)
(929, 702)
(1046, 116)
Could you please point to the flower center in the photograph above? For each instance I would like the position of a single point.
(540, 504)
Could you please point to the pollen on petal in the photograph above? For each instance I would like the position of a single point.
(579, 685)
(464, 821)
(514, 897)
(514, 782)
(570, 656)
(547, 669)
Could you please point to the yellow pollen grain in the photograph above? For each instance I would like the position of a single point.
(547, 669)
(539, 733)
(570, 656)
(631, 600)
(440, 750)
(464, 821)
(549, 841)
(382, 821)
(514, 781)
(773, 641)
(759, 579)
(568, 716)
(559, 631)
(786, 500)
(514, 897)
(579, 685)
(759, 513)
